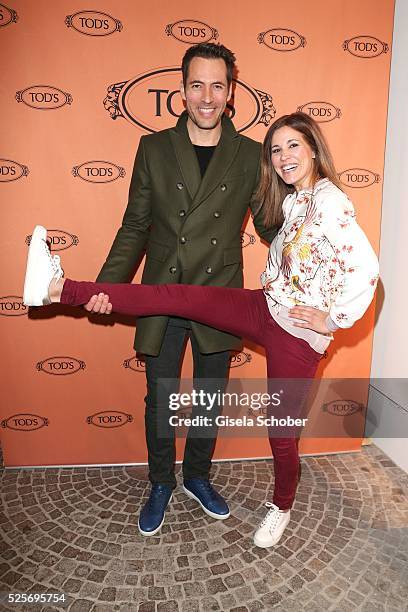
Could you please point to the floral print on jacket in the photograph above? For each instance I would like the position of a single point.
(321, 257)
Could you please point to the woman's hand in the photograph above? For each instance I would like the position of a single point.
(99, 304)
(310, 318)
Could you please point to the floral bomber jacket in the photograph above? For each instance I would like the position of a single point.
(321, 257)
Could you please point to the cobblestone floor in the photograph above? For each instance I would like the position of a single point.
(75, 531)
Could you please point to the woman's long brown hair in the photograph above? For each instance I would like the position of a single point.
(272, 190)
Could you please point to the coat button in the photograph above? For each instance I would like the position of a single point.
(180, 186)
(213, 241)
(183, 240)
(209, 270)
(217, 214)
(223, 187)
(182, 213)
(172, 269)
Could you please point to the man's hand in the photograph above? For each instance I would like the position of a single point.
(99, 304)
(310, 318)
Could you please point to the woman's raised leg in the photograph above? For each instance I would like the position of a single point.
(237, 311)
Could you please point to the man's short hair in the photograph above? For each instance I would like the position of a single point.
(209, 51)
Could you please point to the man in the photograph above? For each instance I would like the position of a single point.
(189, 195)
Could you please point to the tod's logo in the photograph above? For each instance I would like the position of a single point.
(247, 239)
(359, 177)
(12, 306)
(190, 32)
(43, 97)
(279, 39)
(25, 422)
(109, 419)
(321, 111)
(135, 364)
(98, 171)
(365, 46)
(343, 407)
(93, 23)
(239, 359)
(59, 239)
(152, 101)
(7, 15)
(60, 366)
(11, 170)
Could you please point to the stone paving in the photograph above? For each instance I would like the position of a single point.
(74, 530)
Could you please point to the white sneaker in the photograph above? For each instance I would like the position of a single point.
(42, 267)
(272, 527)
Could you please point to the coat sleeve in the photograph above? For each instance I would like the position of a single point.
(131, 238)
(356, 258)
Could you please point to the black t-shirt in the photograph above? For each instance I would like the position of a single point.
(204, 155)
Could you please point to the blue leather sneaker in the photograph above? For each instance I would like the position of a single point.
(152, 515)
(211, 502)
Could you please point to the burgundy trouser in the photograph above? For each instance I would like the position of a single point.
(242, 312)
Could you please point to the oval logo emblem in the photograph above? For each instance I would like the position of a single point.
(11, 170)
(239, 359)
(152, 101)
(7, 15)
(365, 46)
(190, 32)
(93, 23)
(98, 171)
(135, 364)
(60, 240)
(358, 177)
(247, 239)
(60, 366)
(43, 97)
(320, 111)
(12, 306)
(25, 422)
(343, 407)
(109, 419)
(281, 39)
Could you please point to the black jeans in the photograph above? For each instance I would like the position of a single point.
(161, 450)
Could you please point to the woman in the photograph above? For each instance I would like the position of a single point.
(320, 275)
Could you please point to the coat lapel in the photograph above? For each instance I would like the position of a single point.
(186, 156)
(221, 161)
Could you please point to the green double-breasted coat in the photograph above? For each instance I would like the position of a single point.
(190, 228)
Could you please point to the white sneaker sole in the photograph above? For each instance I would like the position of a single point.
(31, 294)
(221, 517)
(152, 533)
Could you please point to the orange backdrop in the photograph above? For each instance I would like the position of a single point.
(79, 88)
